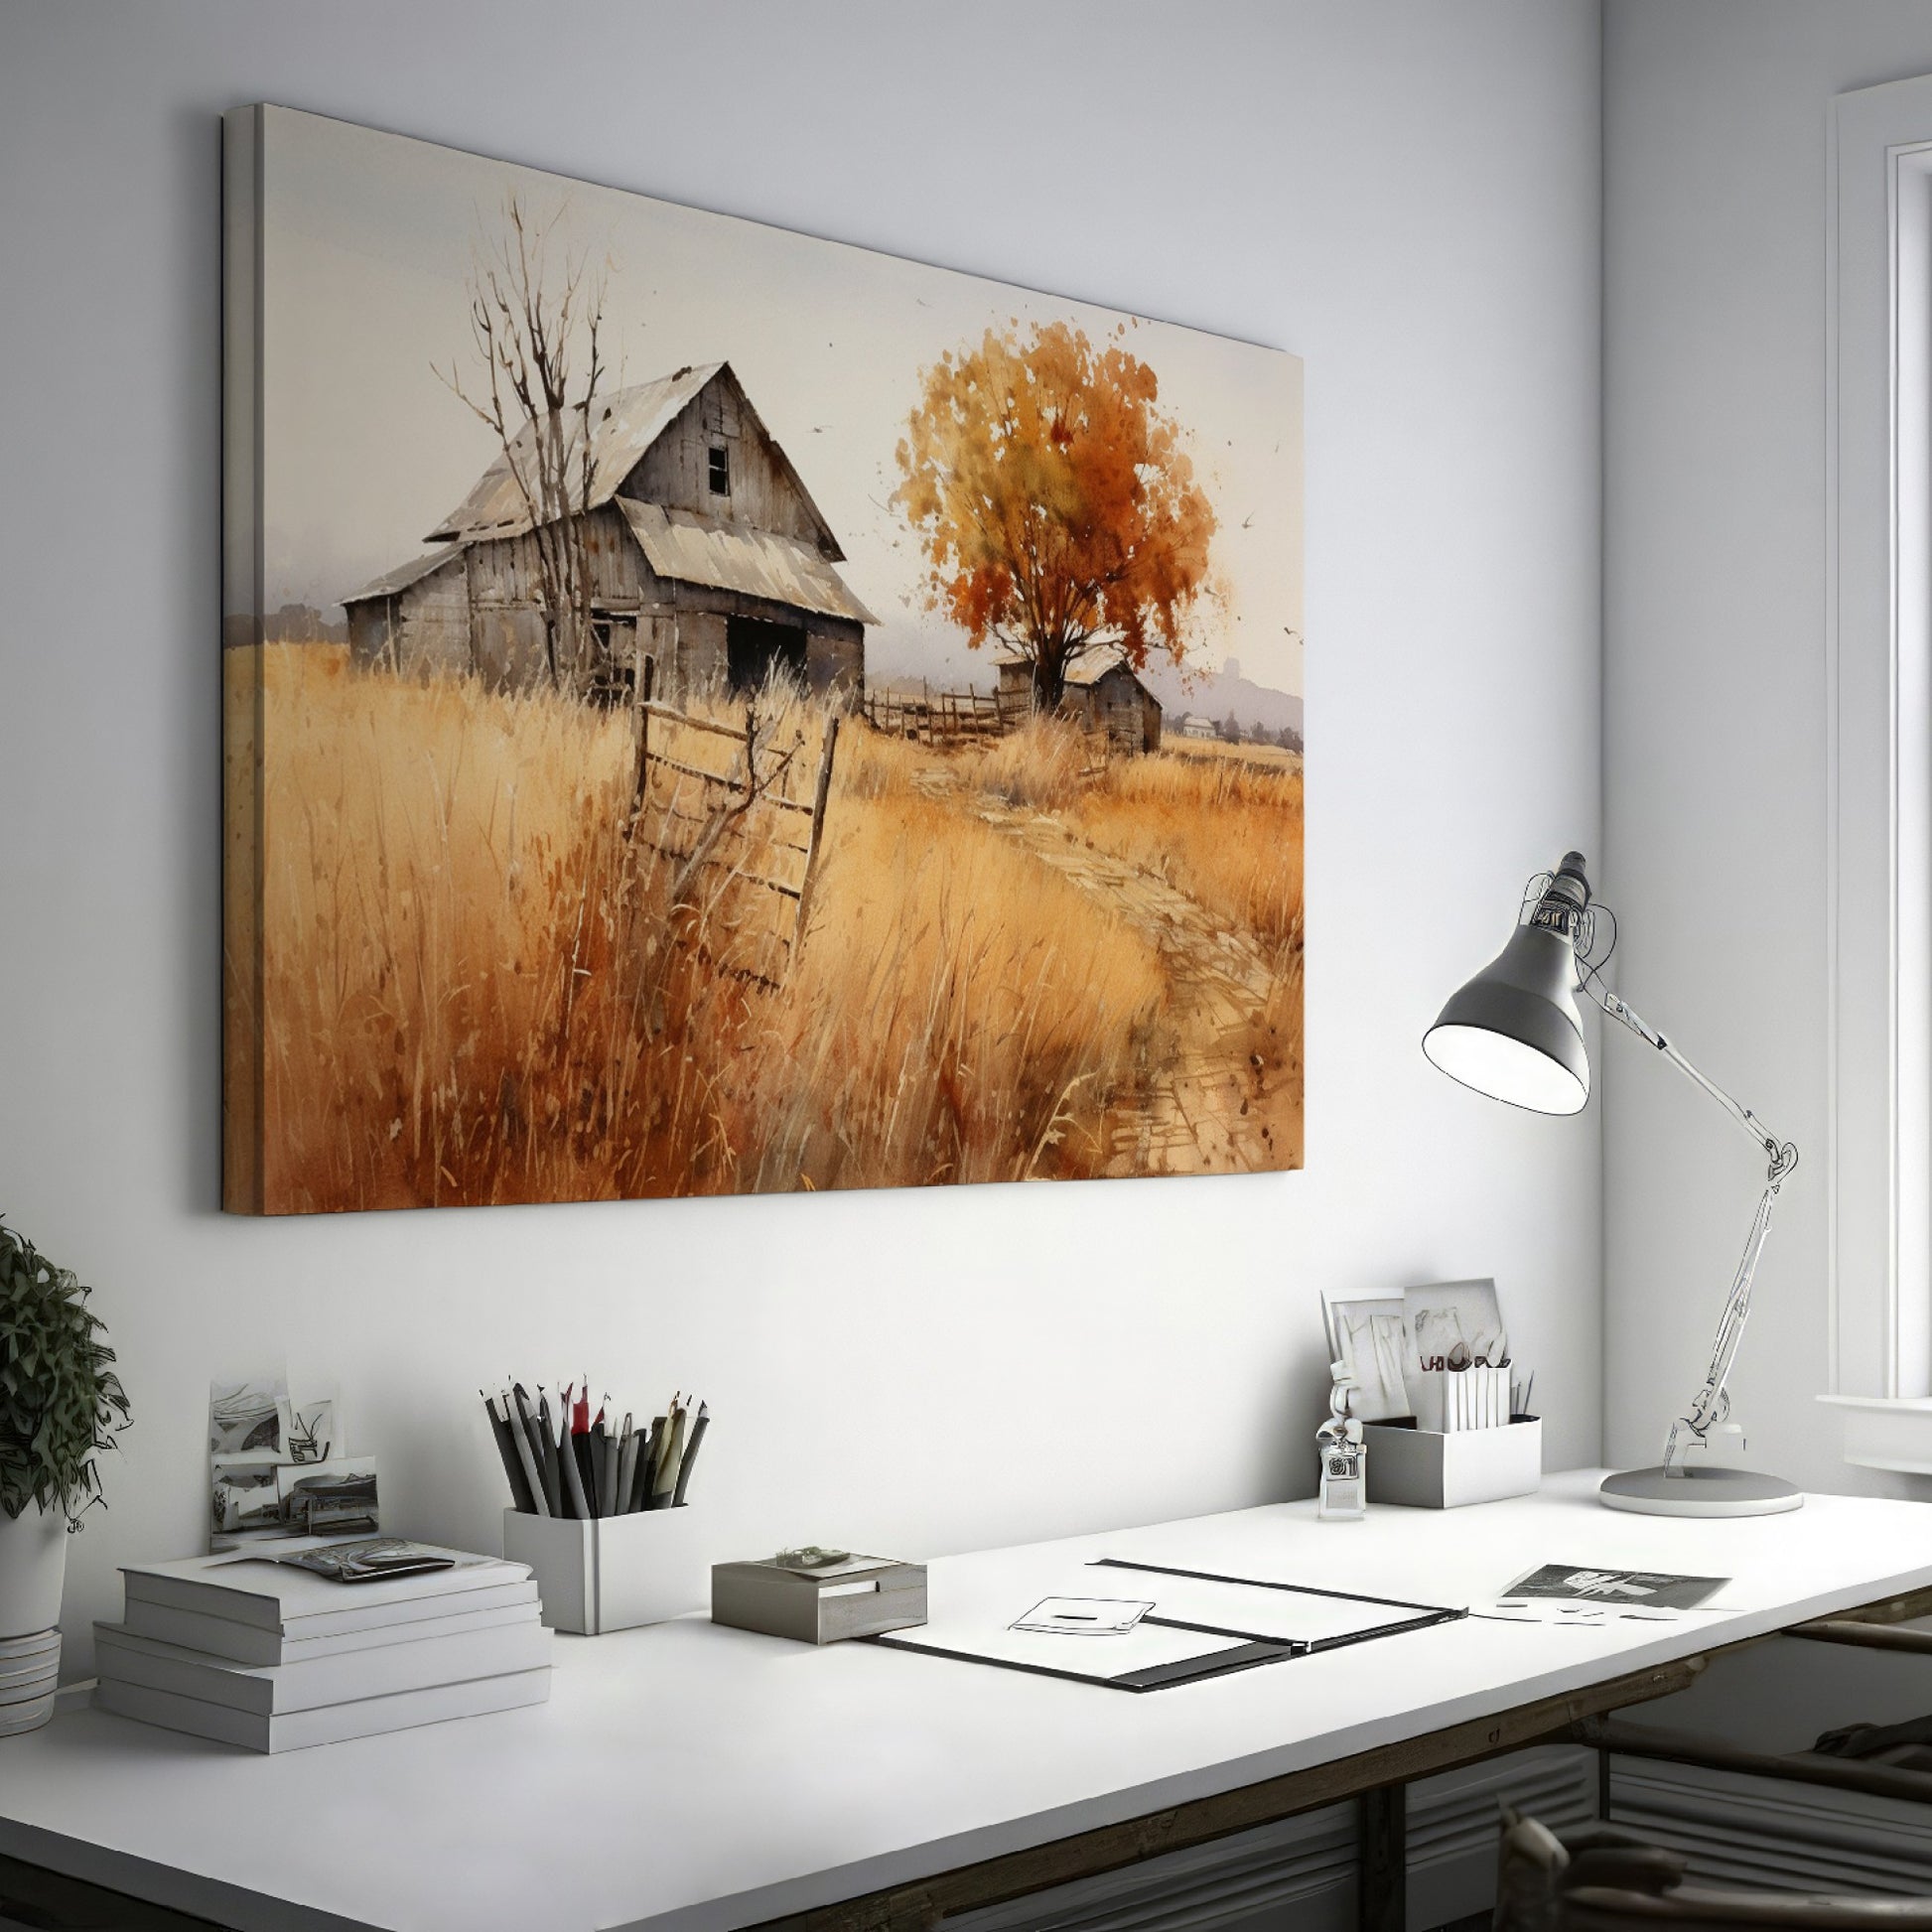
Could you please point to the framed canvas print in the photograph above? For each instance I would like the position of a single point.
(710, 710)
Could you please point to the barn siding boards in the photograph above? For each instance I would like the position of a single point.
(421, 628)
(764, 495)
(702, 653)
(835, 658)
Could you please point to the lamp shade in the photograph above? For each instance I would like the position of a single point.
(1514, 1032)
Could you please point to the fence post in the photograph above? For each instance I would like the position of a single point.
(819, 800)
(646, 678)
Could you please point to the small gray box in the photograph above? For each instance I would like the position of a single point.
(1430, 1471)
(857, 1598)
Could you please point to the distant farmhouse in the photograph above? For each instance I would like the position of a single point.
(705, 549)
(1192, 725)
(1110, 700)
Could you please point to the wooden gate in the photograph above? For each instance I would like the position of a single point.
(759, 820)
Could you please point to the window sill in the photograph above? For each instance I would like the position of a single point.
(1886, 1432)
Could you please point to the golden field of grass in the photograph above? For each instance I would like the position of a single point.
(468, 982)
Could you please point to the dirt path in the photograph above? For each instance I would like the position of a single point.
(1199, 1111)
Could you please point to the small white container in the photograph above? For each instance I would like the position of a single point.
(1428, 1470)
(611, 1572)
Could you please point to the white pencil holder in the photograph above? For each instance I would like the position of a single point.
(612, 1573)
(1432, 1469)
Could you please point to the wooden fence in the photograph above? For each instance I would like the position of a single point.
(946, 717)
(734, 821)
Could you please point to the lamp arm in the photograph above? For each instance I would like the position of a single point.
(1712, 1404)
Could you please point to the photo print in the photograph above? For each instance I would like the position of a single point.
(245, 1497)
(1369, 1338)
(1454, 1325)
(330, 1499)
(310, 1433)
(244, 1419)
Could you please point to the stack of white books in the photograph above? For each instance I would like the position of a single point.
(255, 1651)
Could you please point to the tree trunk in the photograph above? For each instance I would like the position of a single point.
(1049, 680)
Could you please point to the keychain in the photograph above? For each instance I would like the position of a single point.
(1345, 1454)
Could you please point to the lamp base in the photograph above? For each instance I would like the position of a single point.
(1714, 1490)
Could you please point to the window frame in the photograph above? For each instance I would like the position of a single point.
(1879, 698)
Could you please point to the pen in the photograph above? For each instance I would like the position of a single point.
(697, 1428)
(575, 1473)
(553, 1487)
(609, 1496)
(522, 1495)
(627, 1465)
(664, 1488)
(647, 1464)
(528, 1451)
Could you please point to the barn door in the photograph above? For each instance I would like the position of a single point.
(753, 646)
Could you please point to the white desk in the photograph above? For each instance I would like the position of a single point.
(689, 1777)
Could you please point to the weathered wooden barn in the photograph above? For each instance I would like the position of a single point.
(705, 549)
(1108, 699)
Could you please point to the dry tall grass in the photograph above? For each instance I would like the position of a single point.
(1220, 825)
(475, 988)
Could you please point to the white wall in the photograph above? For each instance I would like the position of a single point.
(1716, 143)
(1404, 194)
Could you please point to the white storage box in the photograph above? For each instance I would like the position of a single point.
(614, 1572)
(1428, 1471)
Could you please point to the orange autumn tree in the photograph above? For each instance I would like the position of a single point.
(1055, 502)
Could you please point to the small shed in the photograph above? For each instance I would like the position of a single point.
(1106, 698)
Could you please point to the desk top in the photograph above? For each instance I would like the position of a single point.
(688, 1777)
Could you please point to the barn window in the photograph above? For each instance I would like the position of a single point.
(721, 471)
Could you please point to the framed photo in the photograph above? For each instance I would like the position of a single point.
(1368, 1336)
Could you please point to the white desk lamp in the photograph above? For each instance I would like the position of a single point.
(1514, 1033)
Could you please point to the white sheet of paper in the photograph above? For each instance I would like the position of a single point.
(1083, 1616)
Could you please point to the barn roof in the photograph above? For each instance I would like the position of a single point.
(400, 578)
(693, 549)
(627, 423)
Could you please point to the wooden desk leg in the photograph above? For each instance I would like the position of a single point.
(1382, 1867)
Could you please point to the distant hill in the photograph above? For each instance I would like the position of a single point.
(1215, 694)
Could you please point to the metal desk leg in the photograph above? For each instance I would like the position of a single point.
(1382, 1871)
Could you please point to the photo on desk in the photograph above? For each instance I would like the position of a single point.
(710, 710)
(1634, 1588)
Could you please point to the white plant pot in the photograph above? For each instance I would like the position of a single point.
(33, 1568)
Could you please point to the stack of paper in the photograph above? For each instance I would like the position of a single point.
(253, 1651)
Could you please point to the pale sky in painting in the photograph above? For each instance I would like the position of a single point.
(368, 241)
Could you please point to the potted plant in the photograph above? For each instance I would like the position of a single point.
(61, 1405)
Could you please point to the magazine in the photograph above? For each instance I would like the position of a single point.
(368, 1560)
